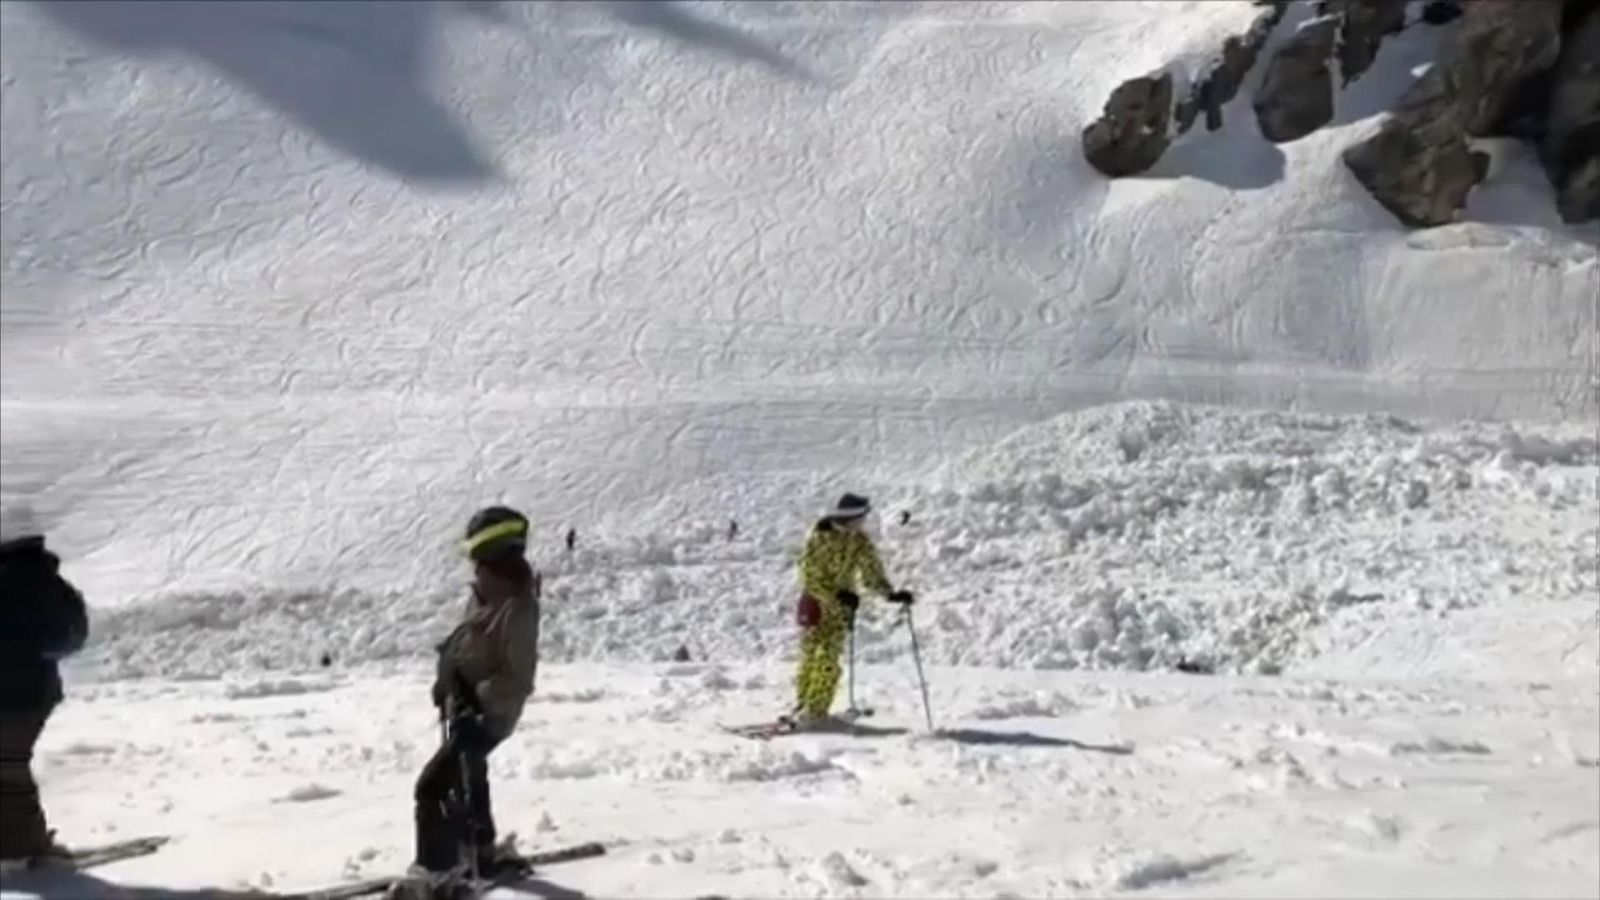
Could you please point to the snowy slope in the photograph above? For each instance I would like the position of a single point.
(734, 257)
(289, 290)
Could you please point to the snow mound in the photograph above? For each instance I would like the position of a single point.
(310, 793)
(1037, 704)
(281, 687)
(1143, 535)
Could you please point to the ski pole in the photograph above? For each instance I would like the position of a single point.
(852, 682)
(466, 821)
(916, 656)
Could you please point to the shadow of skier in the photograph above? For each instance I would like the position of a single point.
(861, 731)
(534, 886)
(980, 737)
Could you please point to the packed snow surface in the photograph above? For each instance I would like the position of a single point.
(1036, 785)
(1305, 502)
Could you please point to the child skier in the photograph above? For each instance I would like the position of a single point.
(485, 676)
(838, 561)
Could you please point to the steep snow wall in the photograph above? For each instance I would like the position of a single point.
(289, 289)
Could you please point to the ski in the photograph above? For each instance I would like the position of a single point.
(847, 724)
(518, 867)
(760, 731)
(89, 857)
(101, 854)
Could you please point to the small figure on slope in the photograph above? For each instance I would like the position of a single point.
(485, 677)
(42, 619)
(839, 560)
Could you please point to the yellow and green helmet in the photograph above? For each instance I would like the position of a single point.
(495, 531)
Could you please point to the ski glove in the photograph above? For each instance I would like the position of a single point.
(468, 725)
(850, 601)
(903, 598)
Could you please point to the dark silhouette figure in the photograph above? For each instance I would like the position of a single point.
(42, 620)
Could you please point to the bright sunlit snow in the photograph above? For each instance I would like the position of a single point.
(288, 294)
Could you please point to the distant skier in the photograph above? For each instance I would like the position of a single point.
(572, 539)
(733, 529)
(485, 676)
(905, 517)
(42, 619)
(838, 561)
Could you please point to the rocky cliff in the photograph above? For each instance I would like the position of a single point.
(1525, 69)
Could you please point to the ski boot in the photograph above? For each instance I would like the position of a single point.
(427, 884)
(501, 860)
(45, 856)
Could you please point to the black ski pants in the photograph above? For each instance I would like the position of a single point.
(461, 762)
(22, 824)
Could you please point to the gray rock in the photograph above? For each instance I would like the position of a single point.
(1423, 177)
(1210, 93)
(1419, 165)
(1499, 45)
(1296, 93)
(1363, 24)
(1570, 145)
(1579, 198)
(1134, 129)
(1239, 55)
(1441, 12)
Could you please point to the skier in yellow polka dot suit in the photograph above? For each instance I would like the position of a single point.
(839, 560)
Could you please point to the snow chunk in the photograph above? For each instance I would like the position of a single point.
(1165, 869)
(774, 767)
(1039, 704)
(268, 687)
(586, 695)
(836, 872)
(308, 793)
(86, 748)
(1438, 745)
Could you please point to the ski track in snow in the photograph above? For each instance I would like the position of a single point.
(734, 259)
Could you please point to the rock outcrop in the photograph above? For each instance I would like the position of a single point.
(1570, 145)
(1222, 83)
(1363, 24)
(1134, 129)
(1523, 69)
(1143, 114)
(1441, 12)
(1296, 93)
(1296, 96)
(1419, 165)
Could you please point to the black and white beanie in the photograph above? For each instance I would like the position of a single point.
(850, 507)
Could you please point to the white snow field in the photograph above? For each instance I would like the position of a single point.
(291, 289)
